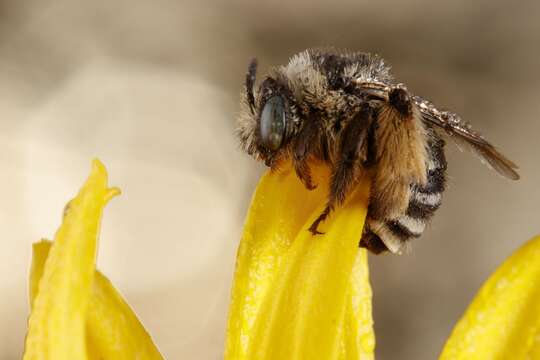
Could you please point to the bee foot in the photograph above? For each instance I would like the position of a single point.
(313, 230)
(320, 219)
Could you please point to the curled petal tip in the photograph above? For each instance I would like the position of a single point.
(99, 175)
(112, 192)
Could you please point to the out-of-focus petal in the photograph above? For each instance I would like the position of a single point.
(56, 327)
(113, 330)
(503, 321)
(40, 252)
(298, 296)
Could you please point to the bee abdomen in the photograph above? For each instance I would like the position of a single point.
(395, 234)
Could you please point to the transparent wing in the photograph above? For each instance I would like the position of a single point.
(462, 133)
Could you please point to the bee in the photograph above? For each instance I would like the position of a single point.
(346, 110)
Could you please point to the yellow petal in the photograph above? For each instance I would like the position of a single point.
(503, 321)
(296, 296)
(40, 252)
(56, 327)
(113, 330)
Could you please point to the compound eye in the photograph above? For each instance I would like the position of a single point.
(273, 123)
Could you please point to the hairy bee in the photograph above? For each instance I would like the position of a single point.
(346, 110)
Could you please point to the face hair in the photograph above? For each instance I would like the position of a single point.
(345, 109)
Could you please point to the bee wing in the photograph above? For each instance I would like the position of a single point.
(462, 133)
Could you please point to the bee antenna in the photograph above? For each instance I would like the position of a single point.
(250, 83)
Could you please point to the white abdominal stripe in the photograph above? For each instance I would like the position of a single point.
(422, 205)
(424, 200)
(380, 228)
(395, 233)
(432, 200)
(412, 227)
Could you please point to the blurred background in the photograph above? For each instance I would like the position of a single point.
(152, 89)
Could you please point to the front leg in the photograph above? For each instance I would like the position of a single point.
(304, 147)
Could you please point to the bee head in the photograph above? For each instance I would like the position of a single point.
(267, 118)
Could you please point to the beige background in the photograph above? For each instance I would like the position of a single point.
(151, 88)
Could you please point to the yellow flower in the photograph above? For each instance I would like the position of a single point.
(75, 311)
(294, 296)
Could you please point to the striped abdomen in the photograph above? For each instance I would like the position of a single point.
(394, 234)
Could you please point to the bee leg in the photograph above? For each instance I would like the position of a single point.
(353, 150)
(303, 172)
(313, 228)
(303, 147)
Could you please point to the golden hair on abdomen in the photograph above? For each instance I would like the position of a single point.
(401, 160)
